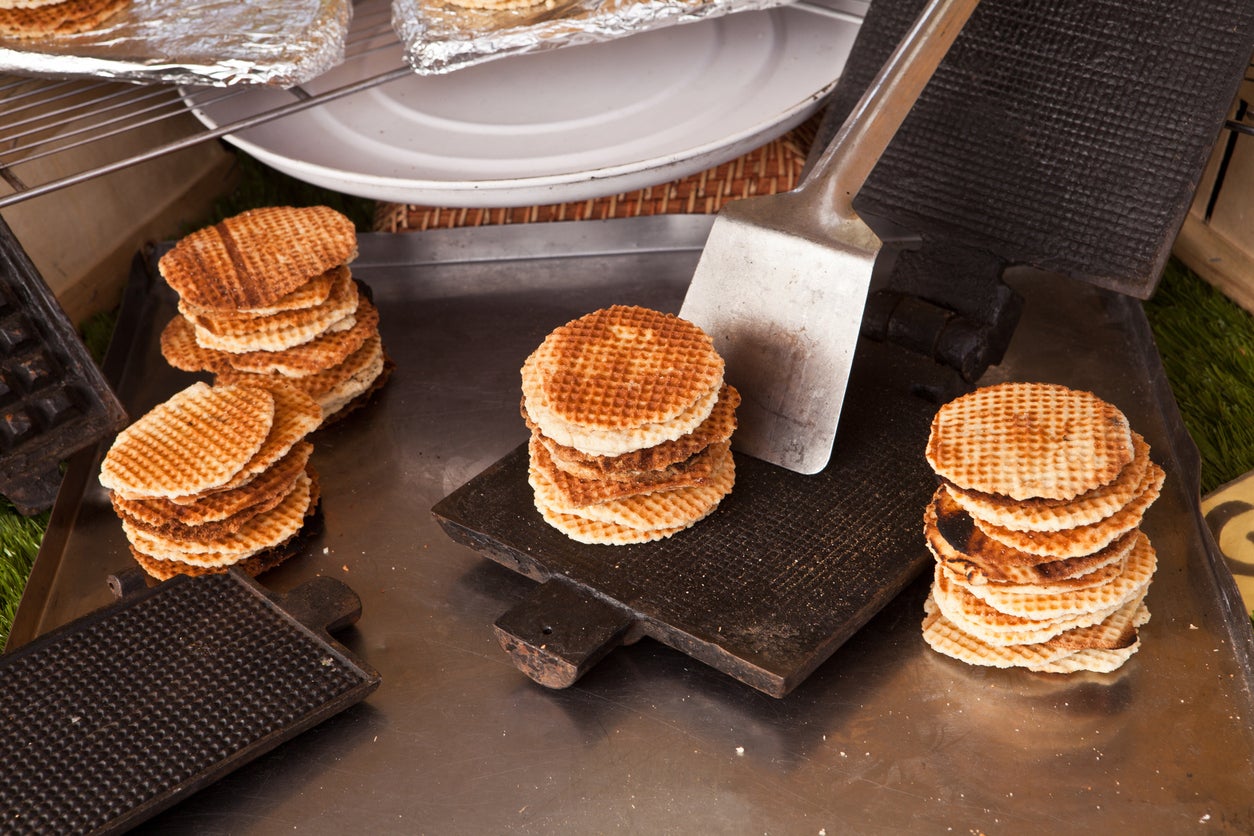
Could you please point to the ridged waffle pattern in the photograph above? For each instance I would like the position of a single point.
(957, 542)
(180, 349)
(1029, 440)
(262, 532)
(1054, 514)
(281, 330)
(676, 508)
(219, 512)
(622, 367)
(309, 295)
(716, 428)
(1035, 527)
(196, 441)
(65, 17)
(255, 258)
(577, 491)
(1084, 539)
(295, 416)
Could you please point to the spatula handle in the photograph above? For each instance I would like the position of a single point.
(844, 166)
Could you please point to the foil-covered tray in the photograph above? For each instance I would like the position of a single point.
(440, 36)
(206, 42)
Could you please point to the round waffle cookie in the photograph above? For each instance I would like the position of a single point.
(312, 293)
(670, 509)
(1084, 539)
(225, 509)
(1029, 440)
(717, 428)
(963, 549)
(697, 470)
(254, 259)
(621, 379)
(180, 349)
(295, 416)
(284, 329)
(197, 440)
(1120, 582)
(35, 19)
(264, 531)
(1054, 514)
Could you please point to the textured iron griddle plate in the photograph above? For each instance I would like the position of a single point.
(767, 587)
(1065, 134)
(121, 713)
(53, 399)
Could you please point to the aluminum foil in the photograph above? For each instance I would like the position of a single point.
(206, 42)
(440, 36)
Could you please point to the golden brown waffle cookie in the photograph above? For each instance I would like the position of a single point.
(365, 397)
(676, 508)
(330, 388)
(580, 492)
(971, 615)
(716, 428)
(962, 548)
(254, 565)
(621, 379)
(236, 506)
(295, 416)
(262, 532)
(1085, 539)
(1117, 631)
(66, 17)
(282, 330)
(1092, 661)
(1029, 440)
(195, 441)
(597, 533)
(26, 4)
(1045, 605)
(255, 258)
(1055, 514)
(1100, 648)
(180, 349)
(943, 636)
(312, 293)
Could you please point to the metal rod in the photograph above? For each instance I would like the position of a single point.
(214, 133)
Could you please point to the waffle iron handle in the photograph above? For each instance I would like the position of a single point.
(560, 631)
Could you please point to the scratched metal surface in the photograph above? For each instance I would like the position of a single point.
(884, 737)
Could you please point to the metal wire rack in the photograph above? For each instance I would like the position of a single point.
(42, 121)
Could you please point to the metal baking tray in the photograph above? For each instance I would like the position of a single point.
(885, 736)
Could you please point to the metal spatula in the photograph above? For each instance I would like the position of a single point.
(783, 279)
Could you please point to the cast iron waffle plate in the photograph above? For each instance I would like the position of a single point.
(1065, 134)
(764, 589)
(121, 713)
(53, 399)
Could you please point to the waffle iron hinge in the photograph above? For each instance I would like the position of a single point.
(945, 301)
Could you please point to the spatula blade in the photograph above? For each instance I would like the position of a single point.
(784, 311)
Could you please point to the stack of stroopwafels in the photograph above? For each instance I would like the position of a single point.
(215, 477)
(266, 297)
(1035, 527)
(45, 18)
(630, 426)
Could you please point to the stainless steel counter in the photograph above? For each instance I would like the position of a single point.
(885, 737)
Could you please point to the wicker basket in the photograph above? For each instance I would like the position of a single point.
(774, 167)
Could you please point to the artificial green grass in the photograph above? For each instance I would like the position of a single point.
(1206, 343)
(19, 543)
